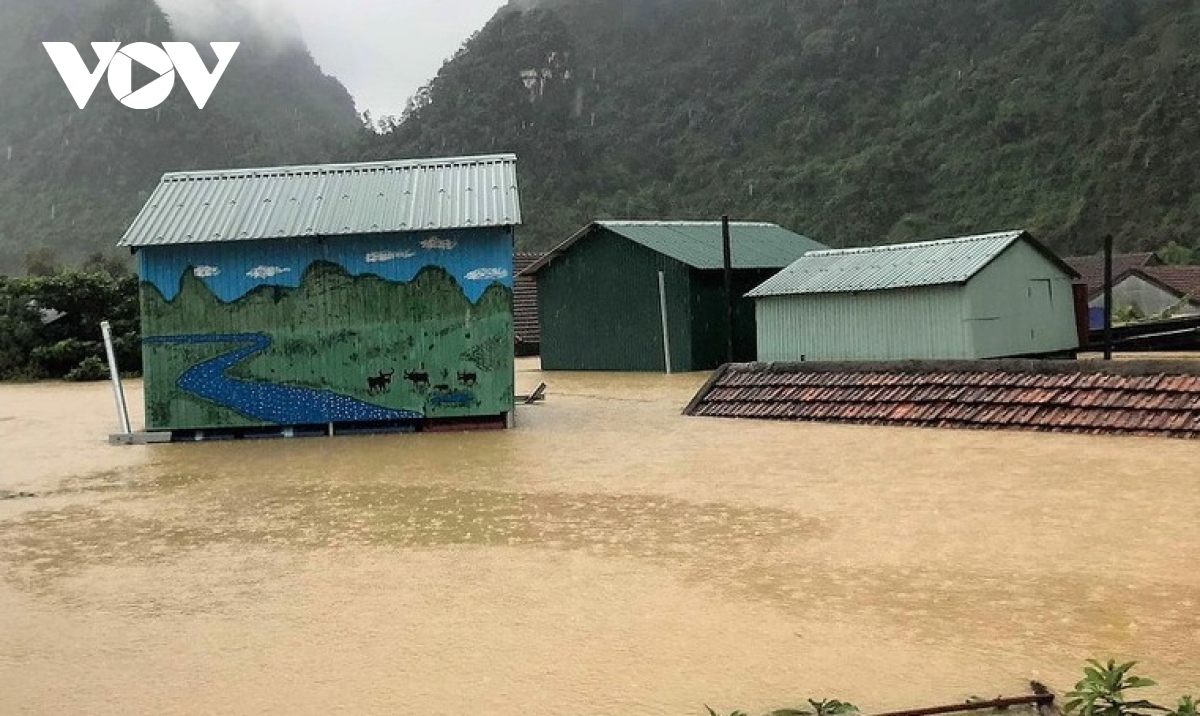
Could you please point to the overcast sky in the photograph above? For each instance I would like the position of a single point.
(381, 50)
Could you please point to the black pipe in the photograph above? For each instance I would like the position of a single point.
(728, 250)
(1108, 296)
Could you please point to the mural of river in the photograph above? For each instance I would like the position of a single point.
(269, 402)
(606, 556)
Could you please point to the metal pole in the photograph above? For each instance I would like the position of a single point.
(728, 250)
(115, 375)
(662, 304)
(1108, 296)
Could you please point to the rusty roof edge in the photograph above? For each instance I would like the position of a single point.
(1131, 368)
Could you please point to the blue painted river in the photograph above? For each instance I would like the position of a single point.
(270, 402)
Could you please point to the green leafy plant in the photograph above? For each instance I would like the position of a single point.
(824, 707)
(1186, 707)
(1102, 692)
(731, 713)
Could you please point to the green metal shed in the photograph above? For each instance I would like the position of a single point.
(988, 296)
(600, 306)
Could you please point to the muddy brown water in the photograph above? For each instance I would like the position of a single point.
(606, 556)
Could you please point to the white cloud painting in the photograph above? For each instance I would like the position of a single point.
(487, 274)
(438, 244)
(380, 257)
(205, 271)
(261, 272)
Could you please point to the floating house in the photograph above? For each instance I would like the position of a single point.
(337, 296)
(625, 295)
(988, 296)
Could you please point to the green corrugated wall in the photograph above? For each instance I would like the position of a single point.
(598, 305)
(1020, 304)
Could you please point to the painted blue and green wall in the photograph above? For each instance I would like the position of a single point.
(310, 331)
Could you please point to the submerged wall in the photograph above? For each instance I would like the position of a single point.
(310, 331)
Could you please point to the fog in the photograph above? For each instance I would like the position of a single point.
(381, 51)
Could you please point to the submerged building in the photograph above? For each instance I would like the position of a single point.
(650, 295)
(988, 296)
(326, 297)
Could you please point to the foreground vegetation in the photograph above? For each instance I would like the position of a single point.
(1104, 690)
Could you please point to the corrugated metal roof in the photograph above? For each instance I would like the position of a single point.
(699, 244)
(877, 268)
(329, 200)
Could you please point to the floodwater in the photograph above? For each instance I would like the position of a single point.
(606, 556)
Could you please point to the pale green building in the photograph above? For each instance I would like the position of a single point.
(989, 296)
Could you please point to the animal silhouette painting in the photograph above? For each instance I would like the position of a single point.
(381, 383)
(467, 378)
(417, 379)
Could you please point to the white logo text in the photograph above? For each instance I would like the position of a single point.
(166, 61)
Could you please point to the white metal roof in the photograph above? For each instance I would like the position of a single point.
(875, 268)
(329, 200)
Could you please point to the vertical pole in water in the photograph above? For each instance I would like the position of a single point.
(115, 375)
(662, 304)
(1108, 296)
(728, 251)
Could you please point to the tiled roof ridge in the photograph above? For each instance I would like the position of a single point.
(1141, 398)
(1010, 365)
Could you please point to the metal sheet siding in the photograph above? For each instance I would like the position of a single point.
(332, 318)
(598, 306)
(877, 268)
(886, 325)
(699, 244)
(329, 200)
(1021, 304)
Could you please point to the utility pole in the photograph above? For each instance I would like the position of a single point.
(728, 251)
(1108, 296)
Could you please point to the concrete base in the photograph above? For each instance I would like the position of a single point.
(139, 438)
(497, 422)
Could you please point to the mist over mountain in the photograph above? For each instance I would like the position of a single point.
(71, 180)
(853, 120)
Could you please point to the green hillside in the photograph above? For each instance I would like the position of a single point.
(71, 180)
(850, 120)
(853, 121)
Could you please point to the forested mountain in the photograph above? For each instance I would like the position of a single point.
(71, 180)
(852, 120)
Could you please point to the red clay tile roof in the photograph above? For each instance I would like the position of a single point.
(525, 316)
(1146, 398)
(1091, 268)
